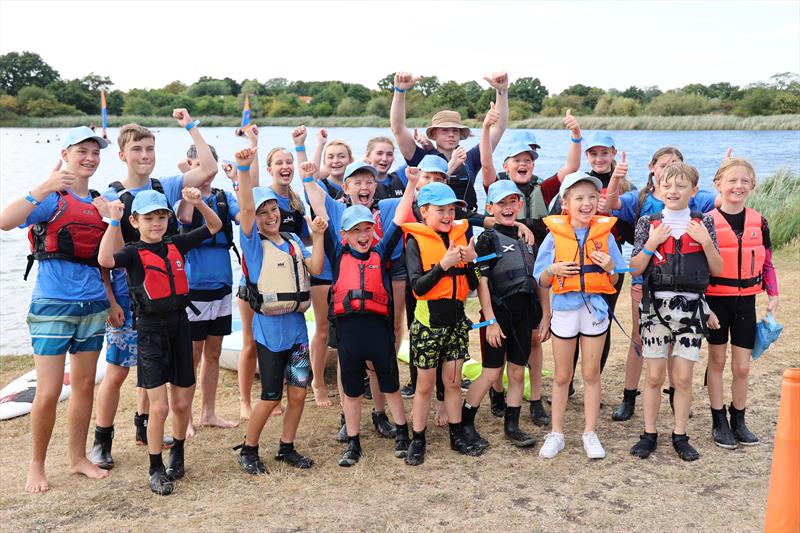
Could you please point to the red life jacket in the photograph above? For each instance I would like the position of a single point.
(359, 286)
(743, 257)
(165, 287)
(73, 233)
(682, 267)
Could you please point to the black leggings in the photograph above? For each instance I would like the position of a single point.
(611, 300)
(411, 305)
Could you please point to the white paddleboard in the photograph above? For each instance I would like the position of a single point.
(16, 398)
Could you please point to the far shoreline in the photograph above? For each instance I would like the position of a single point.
(679, 123)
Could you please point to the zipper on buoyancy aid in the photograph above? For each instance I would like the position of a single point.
(739, 258)
(167, 272)
(296, 276)
(362, 284)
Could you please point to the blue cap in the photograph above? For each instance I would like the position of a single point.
(438, 194)
(525, 137)
(433, 163)
(500, 189)
(263, 194)
(80, 134)
(355, 215)
(149, 201)
(518, 148)
(599, 138)
(577, 177)
(355, 166)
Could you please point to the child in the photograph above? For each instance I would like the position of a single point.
(137, 151)
(279, 294)
(578, 260)
(208, 268)
(69, 304)
(628, 208)
(746, 250)
(380, 154)
(508, 296)
(159, 290)
(446, 131)
(676, 251)
(437, 255)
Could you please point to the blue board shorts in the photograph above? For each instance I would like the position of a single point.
(61, 326)
(121, 342)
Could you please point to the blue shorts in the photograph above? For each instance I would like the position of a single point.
(121, 342)
(59, 326)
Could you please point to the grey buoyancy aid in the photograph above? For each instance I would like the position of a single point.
(513, 271)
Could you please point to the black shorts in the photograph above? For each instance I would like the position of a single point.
(319, 281)
(737, 315)
(292, 366)
(517, 326)
(363, 338)
(219, 327)
(165, 356)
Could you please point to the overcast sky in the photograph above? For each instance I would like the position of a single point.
(603, 43)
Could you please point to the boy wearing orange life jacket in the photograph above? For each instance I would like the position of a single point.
(578, 260)
(676, 251)
(437, 255)
(155, 268)
(747, 270)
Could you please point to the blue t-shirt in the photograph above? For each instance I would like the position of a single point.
(58, 278)
(575, 300)
(172, 186)
(472, 163)
(400, 172)
(278, 332)
(209, 267)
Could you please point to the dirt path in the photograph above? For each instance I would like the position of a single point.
(506, 488)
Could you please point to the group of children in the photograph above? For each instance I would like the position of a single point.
(148, 264)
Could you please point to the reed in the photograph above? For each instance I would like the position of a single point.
(777, 198)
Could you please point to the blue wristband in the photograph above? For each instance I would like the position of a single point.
(242, 167)
(114, 223)
(398, 90)
(576, 141)
(484, 324)
(192, 124)
(308, 179)
(647, 252)
(32, 200)
(300, 148)
(484, 258)
(235, 185)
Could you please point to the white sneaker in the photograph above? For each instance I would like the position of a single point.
(553, 443)
(594, 450)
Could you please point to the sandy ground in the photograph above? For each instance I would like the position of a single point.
(506, 488)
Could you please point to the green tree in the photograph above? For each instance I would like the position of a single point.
(519, 109)
(451, 95)
(175, 87)
(210, 87)
(633, 92)
(530, 90)
(676, 104)
(50, 108)
(378, 106)
(387, 82)
(349, 107)
(427, 85)
(29, 94)
(138, 105)
(275, 86)
(26, 69)
(755, 101)
(115, 102)
(322, 109)
(358, 91)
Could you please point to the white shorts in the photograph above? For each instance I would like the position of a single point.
(210, 310)
(569, 324)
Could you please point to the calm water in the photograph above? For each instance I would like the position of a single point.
(26, 158)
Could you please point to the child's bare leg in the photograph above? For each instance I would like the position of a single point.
(352, 414)
(716, 366)
(108, 394)
(247, 360)
(181, 410)
(79, 412)
(682, 370)
(396, 407)
(740, 369)
(516, 384)
(49, 380)
(319, 345)
(159, 408)
(258, 419)
(477, 391)
(535, 362)
(209, 380)
(563, 354)
(451, 374)
(426, 379)
(295, 403)
(655, 372)
(591, 351)
(197, 356)
(399, 295)
(378, 398)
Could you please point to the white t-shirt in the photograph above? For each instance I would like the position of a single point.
(677, 221)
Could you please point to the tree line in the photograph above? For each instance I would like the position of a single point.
(30, 87)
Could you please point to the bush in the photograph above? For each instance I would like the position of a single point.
(322, 109)
(50, 108)
(518, 109)
(379, 106)
(618, 106)
(349, 107)
(674, 104)
(778, 199)
(756, 101)
(138, 105)
(8, 103)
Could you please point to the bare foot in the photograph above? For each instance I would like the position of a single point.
(190, 432)
(37, 480)
(277, 411)
(321, 396)
(441, 415)
(245, 410)
(217, 422)
(88, 469)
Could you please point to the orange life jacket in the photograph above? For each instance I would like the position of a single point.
(742, 257)
(592, 279)
(432, 249)
(359, 286)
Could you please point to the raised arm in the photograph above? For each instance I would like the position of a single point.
(112, 238)
(491, 119)
(17, 211)
(208, 166)
(403, 81)
(316, 194)
(184, 212)
(499, 80)
(193, 197)
(255, 172)
(316, 262)
(401, 214)
(612, 192)
(573, 162)
(299, 135)
(247, 210)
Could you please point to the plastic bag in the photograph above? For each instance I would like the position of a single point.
(767, 332)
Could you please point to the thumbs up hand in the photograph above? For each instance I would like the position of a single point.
(571, 123)
(468, 253)
(492, 116)
(621, 169)
(451, 258)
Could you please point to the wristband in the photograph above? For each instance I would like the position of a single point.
(191, 125)
(398, 90)
(484, 258)
(300, 148)
(235, 185)
(576, 141)
(647, 252)
(484, 323)
(114, 223)
(622, 270)
(308, 179)
(32, 200)
(549, 271)
(242, 167)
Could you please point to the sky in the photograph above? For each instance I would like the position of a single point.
(608, 44)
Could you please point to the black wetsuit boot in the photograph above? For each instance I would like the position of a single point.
(512, 430)
(100, 454)
(159, 482)
(468, 427)
(176, 469)
(739, 428)
(624, 411)
(498, 403)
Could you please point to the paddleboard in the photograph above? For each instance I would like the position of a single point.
(16, 398)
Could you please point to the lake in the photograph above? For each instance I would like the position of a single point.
(27, 156)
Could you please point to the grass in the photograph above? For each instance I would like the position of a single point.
(778, 199)
(700, 122)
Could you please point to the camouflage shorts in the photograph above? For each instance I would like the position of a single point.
(432, 346)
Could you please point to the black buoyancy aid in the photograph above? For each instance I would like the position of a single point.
(73, 233)
(224, 237)
(291, 221)
(129, 233)
(682, 265)
(463, 184)
(165, 287)
(513, 271)
(359, 285)
(393, 189)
